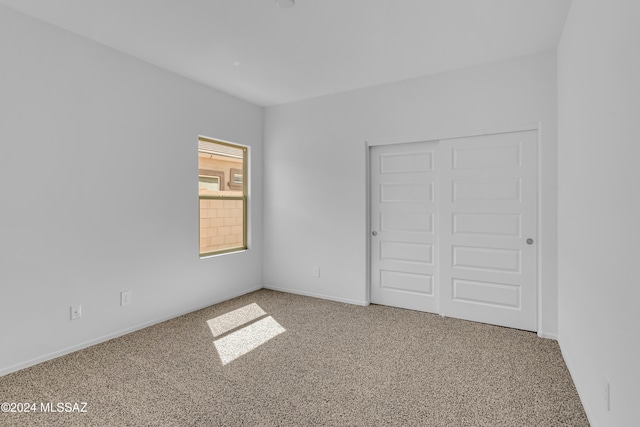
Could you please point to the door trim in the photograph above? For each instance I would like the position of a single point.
(438, 135)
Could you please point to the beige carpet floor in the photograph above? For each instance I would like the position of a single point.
(327, 363)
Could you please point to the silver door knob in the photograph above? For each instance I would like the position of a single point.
(529, 241)
(374, 233)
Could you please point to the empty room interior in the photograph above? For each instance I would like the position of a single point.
(336, 212)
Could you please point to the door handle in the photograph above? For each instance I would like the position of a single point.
(529, 241)
(374, 233)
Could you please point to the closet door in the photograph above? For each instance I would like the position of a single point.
(403, 225)
(488, 224)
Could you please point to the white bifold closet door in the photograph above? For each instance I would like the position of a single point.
(453, 226)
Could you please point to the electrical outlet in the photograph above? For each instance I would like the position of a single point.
(607, 394)
(316, 271)
(126, 298)
(76, 312)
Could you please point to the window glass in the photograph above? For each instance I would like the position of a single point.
(222, 170)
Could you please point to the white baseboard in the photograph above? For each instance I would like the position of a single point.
(83, 345)
(316, 295)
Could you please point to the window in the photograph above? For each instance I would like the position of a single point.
(209, 183)
(222, 191)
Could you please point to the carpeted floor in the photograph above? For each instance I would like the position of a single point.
(327, 364)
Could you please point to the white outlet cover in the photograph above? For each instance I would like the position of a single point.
(126, 297)
(76, 312)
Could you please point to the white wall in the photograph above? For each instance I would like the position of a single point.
(98, 185)
(599, 206)
(315, 179)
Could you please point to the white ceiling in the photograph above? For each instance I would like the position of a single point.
(267, 55)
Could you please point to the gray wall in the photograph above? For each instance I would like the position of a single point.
(98, 177)
(599, 206)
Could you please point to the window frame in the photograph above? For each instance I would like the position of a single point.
(244, 198)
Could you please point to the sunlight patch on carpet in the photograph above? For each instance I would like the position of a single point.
(238, 332)
(234, 319)
(242, 341)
